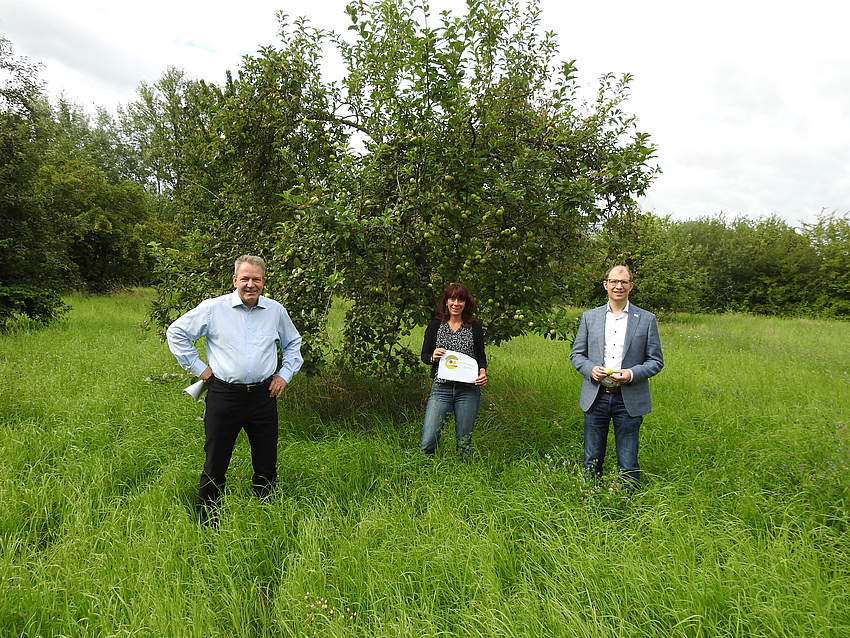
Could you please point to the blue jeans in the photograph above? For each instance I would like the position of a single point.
(610, 408)
(463, 399)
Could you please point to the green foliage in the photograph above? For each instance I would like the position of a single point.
(665, 276)
(479, 166)
(103, 225)
(762, 266)
(40, 305)
(167, 124)
(181, 283)
(830, 237)
(33, 264)
(96, 141)
(237, 161)
(70, 215)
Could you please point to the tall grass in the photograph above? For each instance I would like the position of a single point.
(740, 528)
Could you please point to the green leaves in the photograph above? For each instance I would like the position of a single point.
(464, 177)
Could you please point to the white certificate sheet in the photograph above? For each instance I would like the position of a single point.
(456, 366)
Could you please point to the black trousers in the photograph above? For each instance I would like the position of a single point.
(229, 409)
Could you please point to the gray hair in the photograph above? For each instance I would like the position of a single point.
(251, 259)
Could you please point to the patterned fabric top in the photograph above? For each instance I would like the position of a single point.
(460, 341)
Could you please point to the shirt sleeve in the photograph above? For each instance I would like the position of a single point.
(290, 344)
(180, 336)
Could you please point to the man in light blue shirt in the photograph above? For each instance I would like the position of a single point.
(242, 330)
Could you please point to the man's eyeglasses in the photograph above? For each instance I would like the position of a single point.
(614, 282)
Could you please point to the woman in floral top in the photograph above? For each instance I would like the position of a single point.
(454, 328)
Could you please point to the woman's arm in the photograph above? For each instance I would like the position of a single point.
(429, 343)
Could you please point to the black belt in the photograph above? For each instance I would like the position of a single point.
(454, 383)
(244, 387)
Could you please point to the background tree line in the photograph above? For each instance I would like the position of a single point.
(452, 149)
(721, 264)
(75, 211)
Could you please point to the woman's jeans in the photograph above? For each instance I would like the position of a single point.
(464, 399)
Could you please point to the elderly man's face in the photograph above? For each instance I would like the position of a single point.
(249, 282)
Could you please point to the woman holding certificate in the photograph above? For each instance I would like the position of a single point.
(454, 348)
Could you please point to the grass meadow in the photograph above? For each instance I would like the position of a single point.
(740, 528)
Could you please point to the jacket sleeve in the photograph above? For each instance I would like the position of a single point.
(653, 358)
(478, 345)
(578, 355)
(429, 343)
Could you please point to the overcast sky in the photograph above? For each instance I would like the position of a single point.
(748, 101)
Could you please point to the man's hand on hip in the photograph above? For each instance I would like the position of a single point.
(276, 386)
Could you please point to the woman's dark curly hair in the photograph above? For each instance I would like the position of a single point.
(461, 292)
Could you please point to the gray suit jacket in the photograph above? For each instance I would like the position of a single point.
(641, 354)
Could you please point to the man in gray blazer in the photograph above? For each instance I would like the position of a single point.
(616, 350)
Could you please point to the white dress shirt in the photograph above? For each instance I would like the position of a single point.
(615, 337)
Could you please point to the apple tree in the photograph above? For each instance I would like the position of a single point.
(478, 162)
(452, 148)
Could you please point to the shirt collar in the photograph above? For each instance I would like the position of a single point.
(625, 308)
(236, 300)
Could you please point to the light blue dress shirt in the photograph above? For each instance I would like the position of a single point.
(240, 340)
